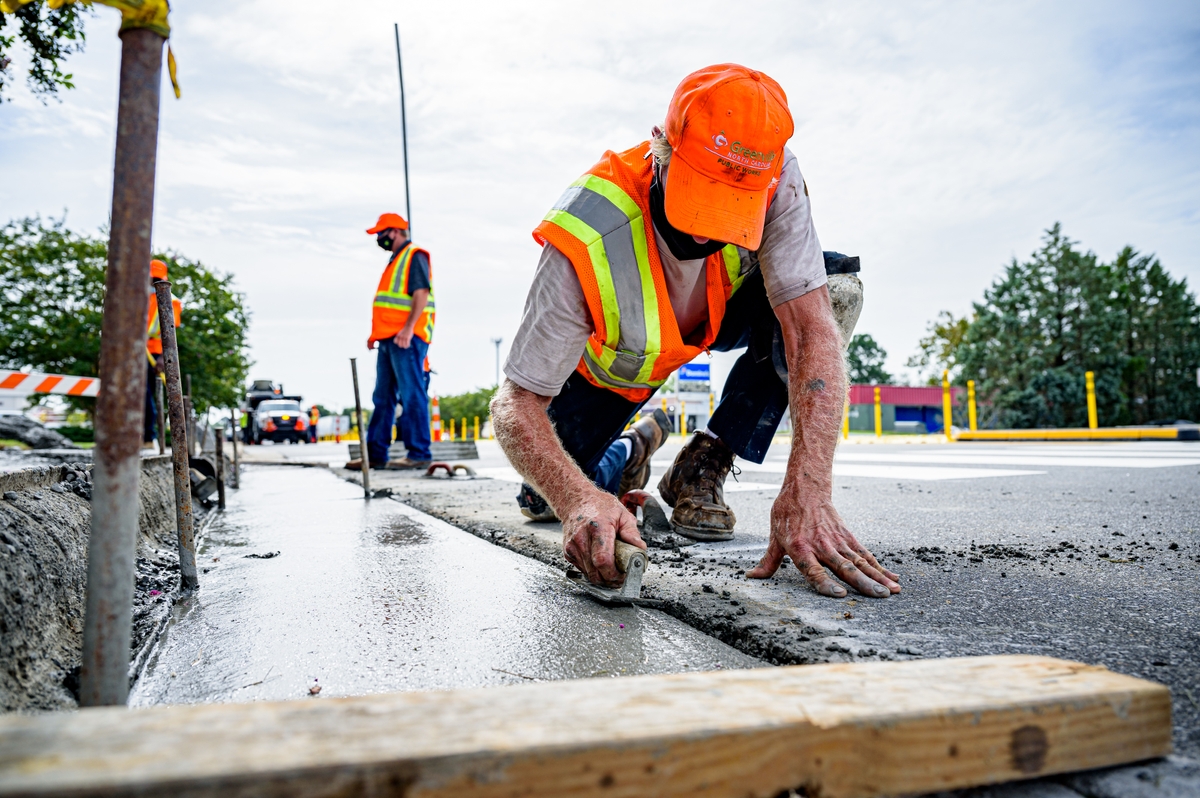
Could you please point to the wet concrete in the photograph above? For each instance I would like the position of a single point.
(304, 585)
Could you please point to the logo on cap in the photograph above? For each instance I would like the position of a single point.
(720, 139)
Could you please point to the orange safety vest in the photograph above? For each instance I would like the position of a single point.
(602, 224)
(314, 415)
(153, 330)
(392, 305)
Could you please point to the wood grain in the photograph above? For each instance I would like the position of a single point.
(862, 729)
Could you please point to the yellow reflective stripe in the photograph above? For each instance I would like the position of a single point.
(733, 266)
(649, 299)
(600, 268)
(611, 192)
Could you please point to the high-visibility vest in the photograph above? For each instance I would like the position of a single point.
(314, 415)
(153, 329)
(392, 305)
(602, 224)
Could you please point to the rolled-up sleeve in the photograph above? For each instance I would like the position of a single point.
(790, 252)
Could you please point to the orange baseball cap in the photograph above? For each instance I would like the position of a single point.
(158, 270)
(727, 126)
(389, 220)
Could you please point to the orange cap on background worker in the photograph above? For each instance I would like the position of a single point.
(727, 126)
(388, 220)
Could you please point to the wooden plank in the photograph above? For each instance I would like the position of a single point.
(862, 729)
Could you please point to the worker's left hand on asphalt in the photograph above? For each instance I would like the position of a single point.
(589, 532)
(812, 533)
(403, 339)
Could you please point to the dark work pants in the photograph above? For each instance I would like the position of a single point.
(400, 378)
(589, 419)
(150, 422)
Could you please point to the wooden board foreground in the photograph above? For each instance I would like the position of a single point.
(861, 729)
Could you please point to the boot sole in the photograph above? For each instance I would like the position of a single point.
(704, 535)
(545, 517)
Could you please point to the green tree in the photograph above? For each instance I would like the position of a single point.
(52, 300)
(1048, 320)
(466, 405)
(50, 35)
(937, 350)
(864, 361)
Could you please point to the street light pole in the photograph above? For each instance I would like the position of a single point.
(497, 342)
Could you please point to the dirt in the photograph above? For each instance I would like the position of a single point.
(45, 520)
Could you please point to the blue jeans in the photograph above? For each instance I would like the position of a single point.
(400, 379)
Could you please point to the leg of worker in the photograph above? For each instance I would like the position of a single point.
(589, 420)
(379, 430)
(150, 423)
(410, 375)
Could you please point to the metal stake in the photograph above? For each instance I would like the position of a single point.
(364, 457)
(220, 455)
(186, 531)
(120, 407)
(234, 438)
(162, 415)
(403, 131)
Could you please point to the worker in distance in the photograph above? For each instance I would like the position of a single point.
(699, 239)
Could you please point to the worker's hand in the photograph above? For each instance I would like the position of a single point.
(810, 531)
(589, 531)
(370, 344)
(403, 339)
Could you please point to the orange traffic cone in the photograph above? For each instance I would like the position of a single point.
(435, 428)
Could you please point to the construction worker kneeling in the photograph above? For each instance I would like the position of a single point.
(699, 239)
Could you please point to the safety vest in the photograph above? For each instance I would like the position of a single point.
(602, 224)
(153, 329)
(314, 415)
(392, 305)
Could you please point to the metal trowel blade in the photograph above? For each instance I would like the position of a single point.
(632, 562)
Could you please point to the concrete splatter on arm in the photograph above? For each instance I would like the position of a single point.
(591, 518)
(804, 523)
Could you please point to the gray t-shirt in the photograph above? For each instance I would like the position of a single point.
(556, 323)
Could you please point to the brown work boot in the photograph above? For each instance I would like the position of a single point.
(694, 486)
(647, 435)
(356, 465)
(404, 464)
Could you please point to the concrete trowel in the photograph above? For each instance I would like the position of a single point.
(632, 562)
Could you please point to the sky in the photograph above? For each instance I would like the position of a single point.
(938, 141)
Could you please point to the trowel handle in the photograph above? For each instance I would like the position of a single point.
(628, 557)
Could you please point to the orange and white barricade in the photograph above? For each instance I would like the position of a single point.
(20, 383)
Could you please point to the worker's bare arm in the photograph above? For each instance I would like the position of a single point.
(804, 523)
(591, 518)
(420, 298)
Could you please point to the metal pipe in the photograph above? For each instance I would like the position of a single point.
(234, 439)
(190, 414)
(162, 415)
(120, 407)
(364, 456)
(176, 403)
(219, 451)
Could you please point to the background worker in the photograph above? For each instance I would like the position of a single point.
(700, 239)
(402, 324)
(154, 348)
(314, 415)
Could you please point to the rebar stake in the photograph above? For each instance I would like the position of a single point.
(219, 451)
(120, 407)
(237, 477)
(185, 529)
(364, 456)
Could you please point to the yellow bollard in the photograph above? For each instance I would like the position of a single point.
(683, 419)
(476, 427)
(711, 405)
(846, 419)
(464, 429)
(878, 415)
(452, 430)
(1093, 423)
(972, 418)
(947, 406)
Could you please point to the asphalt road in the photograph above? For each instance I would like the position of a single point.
(1083, 551)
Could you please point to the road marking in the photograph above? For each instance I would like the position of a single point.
(896, 471)
(998, 459)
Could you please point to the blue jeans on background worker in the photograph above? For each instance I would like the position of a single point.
(400, 379)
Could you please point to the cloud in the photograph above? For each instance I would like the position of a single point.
(938, 140)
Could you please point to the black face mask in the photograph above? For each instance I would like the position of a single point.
(682, 245)
(385, 242)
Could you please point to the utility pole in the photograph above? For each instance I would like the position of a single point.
(403, 133)
(497, 342)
